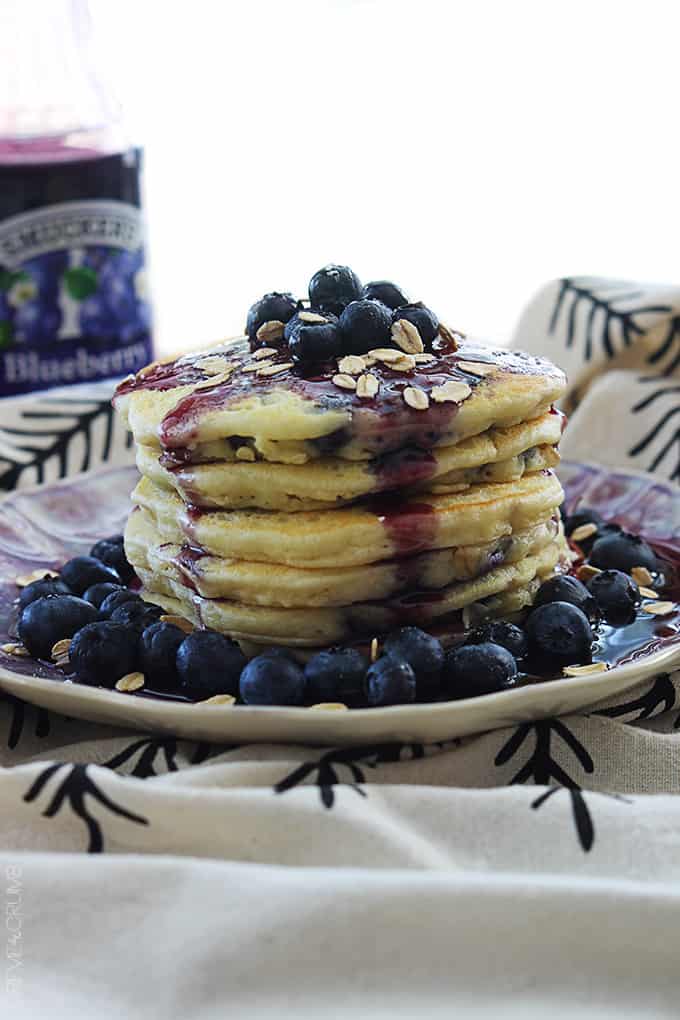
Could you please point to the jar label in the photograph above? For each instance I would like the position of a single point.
(74, 304)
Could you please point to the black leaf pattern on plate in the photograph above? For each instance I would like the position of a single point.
(659, 698)
(577, 291)
(48, 437)
(75, 786)
(540, 767)
(17, 711)
(666, 429)
(148, 749)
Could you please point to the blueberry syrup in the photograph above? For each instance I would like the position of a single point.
(668, 554)
(411, 527)
(186, 561)
(384, 423)
(403, 468)
(563, 417)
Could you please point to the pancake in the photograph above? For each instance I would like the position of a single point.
(227, 393)
(324, 626)
(498, 455)
(361, 533)
(270, 584)
(509, 605)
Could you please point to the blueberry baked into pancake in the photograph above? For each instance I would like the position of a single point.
(352, 504)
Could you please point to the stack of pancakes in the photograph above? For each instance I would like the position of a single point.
(287, 507)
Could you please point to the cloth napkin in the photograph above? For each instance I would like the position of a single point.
(528, 870)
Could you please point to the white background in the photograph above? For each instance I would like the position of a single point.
(469, 151)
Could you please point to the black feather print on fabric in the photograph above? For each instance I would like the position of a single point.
(18, 710)
(158, 755)
(206, 752)
(582, 815)
(73, 789)
(147, 751)
(329, 768)
(540, 767)
(583, 820)
(63, 437)
(325, 773)
(669, 342)
(658, 699)
(575, 292)
(662, 442)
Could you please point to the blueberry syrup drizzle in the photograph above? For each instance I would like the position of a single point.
(403, 468)
(186, 561)
(411, 527)
(563, 417)
(384, 423)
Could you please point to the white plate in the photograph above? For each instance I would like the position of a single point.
(44, 527)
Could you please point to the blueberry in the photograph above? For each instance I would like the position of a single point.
(332, 288)
(111, 551)
(45, 586)
(500, 632)
(425, 321)
(616, 594)
(585, 515)
(563, 588)
(422, 651)
(272, 680)
(280, 650)
(336, 674)
(118, 539)
(312, 341)
(158, 646)
(390, 682)
(101, 653)
(622, 551)
(96, 593)
(471, 670)
(363, 325)
(209, 663)
(83, 571)
(388, 293)
(51, 618)
(272, 307)
(116, 599)
(559, 633)
(136, 615)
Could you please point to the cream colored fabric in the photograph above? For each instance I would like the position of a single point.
(391, 881)
(619, 343)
